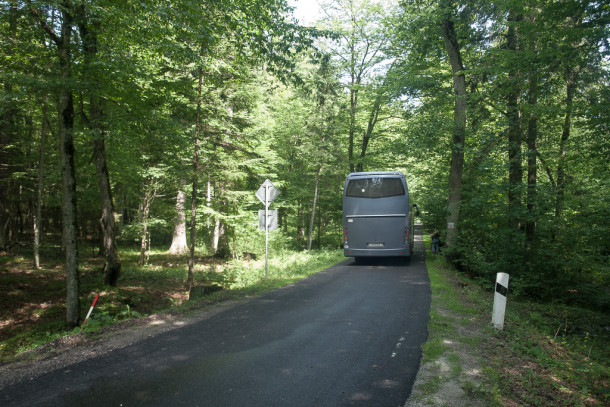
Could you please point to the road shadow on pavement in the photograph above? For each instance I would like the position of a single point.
(381, 261)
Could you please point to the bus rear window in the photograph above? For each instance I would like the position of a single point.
(374, 187)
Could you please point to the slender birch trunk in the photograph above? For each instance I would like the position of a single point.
(39, 187)
(313, 209)
(149, 196)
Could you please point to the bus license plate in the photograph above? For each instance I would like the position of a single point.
(376, 244)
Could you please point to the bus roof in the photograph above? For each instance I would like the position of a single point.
(366, 174)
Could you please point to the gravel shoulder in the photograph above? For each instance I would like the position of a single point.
(451, 371)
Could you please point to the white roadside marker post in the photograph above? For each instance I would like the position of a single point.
(497, 318)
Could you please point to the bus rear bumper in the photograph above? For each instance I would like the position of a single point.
(404, 252)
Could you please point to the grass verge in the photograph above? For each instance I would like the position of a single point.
(450, 373)
(547, 354)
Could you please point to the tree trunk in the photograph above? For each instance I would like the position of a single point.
(215, 237)
(320, 228)
(179, 240)
(300, 224)
(221, 231)
(373, 117)
(369, 130)
(352, 124)
(39, 187)
(208, 201)
(88, 32)
(571, 78)
(459, 129)
(223, 251)
(515, 167)
(191, 272)
(66, 128)
(112, 268)
(356, 79)
(65, 109)
(7, 129)
(313, 209)
(532, 149)
(144, 209)
(144, 214)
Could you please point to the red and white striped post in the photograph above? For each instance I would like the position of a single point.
(90, 310)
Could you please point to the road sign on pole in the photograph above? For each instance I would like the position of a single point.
(267, 194)
(271, 219)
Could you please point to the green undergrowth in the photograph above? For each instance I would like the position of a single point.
(33, 301)
(546, 355)
(550, 355)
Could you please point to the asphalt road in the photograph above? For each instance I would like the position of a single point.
(350, 335)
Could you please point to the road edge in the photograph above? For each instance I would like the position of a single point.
(451, 368)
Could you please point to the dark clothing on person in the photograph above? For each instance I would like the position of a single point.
(436, 242)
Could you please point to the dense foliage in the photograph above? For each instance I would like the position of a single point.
(192, 105)
(535, 195)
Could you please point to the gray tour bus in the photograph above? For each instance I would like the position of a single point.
(377, 215)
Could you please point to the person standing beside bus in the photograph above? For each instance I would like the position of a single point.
(436, 241)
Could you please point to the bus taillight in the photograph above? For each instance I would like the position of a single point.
(406, 233)
(345, 238)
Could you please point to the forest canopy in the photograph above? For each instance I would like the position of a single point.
(153, 123)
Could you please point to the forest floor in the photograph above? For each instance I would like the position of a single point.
(32, 302)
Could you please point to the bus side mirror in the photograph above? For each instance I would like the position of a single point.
(416, 209)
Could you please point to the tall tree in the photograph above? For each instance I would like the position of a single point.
(361, 48)
(532, 138)
(39, 187)
(89, 25)
(193, 234)
(65, 107)
(150, 193)
(7, 123)
(532, 164)
(459, 116)
(321, 125)
(514, 131)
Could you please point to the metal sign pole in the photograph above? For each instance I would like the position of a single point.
(267, 194)
(266, 229)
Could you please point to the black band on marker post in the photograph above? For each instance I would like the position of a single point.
(500, 289)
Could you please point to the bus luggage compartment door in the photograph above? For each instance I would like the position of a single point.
(376, 232)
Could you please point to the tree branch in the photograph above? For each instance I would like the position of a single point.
(547, 169)
(36, 14)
